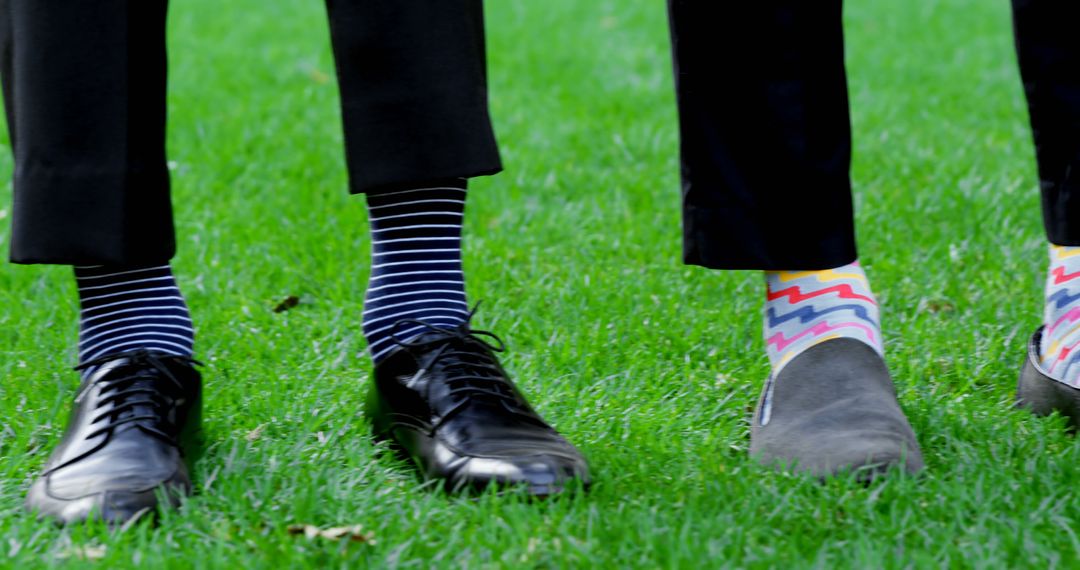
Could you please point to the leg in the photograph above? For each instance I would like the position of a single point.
(413, 91)
(101, 197)
(1049, 54)
(414, 99)
(84, 92)
(765, 150)
(765, 158)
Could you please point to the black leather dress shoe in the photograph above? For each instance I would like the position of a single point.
(133, 425)
(447, 404)
(1041, 393)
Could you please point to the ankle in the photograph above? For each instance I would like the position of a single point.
(805, 308)
(131, 308)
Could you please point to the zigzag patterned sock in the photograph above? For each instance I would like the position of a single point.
(416, 268)
(1060, 347)
(805, 308)
(123, 309)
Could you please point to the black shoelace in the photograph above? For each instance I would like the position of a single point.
(131, 395)
(471, 370)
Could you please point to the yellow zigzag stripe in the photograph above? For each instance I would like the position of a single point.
(1065, 252)
(825, 275)
(1054, 346)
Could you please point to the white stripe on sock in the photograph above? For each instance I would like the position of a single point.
(126, 283)
(417, 215)
(92, 338)
(400, 192)
(403, 240)
(407, 273)
(413, 283)
(407, 303)
(129, 292)
(86, 319)
(417, 227)
(145, 301)
(144, 343)
(414, 202)
(81, 278)
(420, 262)
(423, 292)
(412, 251)
(432, 311)
(145, 335)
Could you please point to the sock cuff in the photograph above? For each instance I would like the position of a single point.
(805, 308)
(130, 308)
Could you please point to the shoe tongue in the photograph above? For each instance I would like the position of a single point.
(142, 409)
(485, 412)
(139, 389)
(455, 391)
(477, 407)
(468, 382)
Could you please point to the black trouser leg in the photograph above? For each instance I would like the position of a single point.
(7, 62)
(84, 87)
(1048, 46)
(766, 143)
(413, 91)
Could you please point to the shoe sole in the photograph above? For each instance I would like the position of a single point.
(1039, 393)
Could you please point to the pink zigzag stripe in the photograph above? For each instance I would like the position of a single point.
(1072, 315)
(816, 330)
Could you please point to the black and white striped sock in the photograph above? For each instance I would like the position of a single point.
(416, 268)
(123, 309)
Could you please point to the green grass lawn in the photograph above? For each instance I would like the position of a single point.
(650, 367)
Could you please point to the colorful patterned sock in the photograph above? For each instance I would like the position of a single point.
(416, 269)
(131, 308)
(1060, 347)
(805, 308)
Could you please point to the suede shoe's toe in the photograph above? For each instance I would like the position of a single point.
(832, 409)
(1039, 392)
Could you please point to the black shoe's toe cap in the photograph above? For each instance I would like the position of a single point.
(115, 506)
(541, 474)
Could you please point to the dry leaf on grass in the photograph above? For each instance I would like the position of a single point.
(88, 552)
(287, 303)
(354, 533)
(255, 433)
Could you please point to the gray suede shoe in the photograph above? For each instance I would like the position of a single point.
(831, 409)
(1040, 393)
